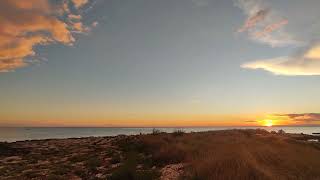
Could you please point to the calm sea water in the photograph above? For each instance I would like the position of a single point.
(19, 134)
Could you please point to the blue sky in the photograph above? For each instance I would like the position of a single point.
(138, 58)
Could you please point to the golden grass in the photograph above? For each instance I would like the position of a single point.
(237, 154)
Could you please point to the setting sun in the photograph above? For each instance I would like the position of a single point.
(268, 122)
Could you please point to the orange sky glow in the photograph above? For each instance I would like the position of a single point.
(159, 121)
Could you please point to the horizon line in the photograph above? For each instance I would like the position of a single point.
(302, 125)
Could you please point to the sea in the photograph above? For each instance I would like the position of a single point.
(12, 134)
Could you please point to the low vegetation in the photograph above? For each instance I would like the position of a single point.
(244, 154)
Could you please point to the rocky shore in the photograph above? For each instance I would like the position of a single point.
(246, 154)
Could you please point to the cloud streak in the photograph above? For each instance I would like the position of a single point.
(253, 20)
(27, 24)
(305, 63)
(79, 3)
(301, 118)
(271, 27)
(263, 24)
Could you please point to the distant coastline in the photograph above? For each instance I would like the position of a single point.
(11, 134)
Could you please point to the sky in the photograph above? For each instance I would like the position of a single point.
(159, 63)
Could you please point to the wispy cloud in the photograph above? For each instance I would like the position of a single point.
(251, 121)
(270, 28)
(264, 24)
(95, 24)
(26, 24)
(79, 3)
(305, 63)
(305, 118)
(254, 19)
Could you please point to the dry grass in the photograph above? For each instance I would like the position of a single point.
(236, 154)
(219, 155)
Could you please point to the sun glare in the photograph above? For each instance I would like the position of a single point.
(268, 122)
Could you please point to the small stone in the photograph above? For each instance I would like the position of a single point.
(115, 165)
(99, 175)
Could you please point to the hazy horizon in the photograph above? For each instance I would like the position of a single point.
(302, 125)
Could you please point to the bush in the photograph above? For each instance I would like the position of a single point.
(178, 132)
(81, 173)
(115, 158)
(156, 131)
(168, 154)
(131, 144)
(54, 177)
(147, 175)
(93, 162)
(128, 170)
(31, 174)
(5, 149)
(62, 169)
(78, 158)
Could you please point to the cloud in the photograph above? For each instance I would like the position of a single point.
(27, 24)
(95, 24)
(253, 20)
(8, 65)
(264, 24)
(305, 63)
(74, 17)
(79, 3)
(270, 28)
(267, 24)
(251, 121)
(301, 118)
(313, 53)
